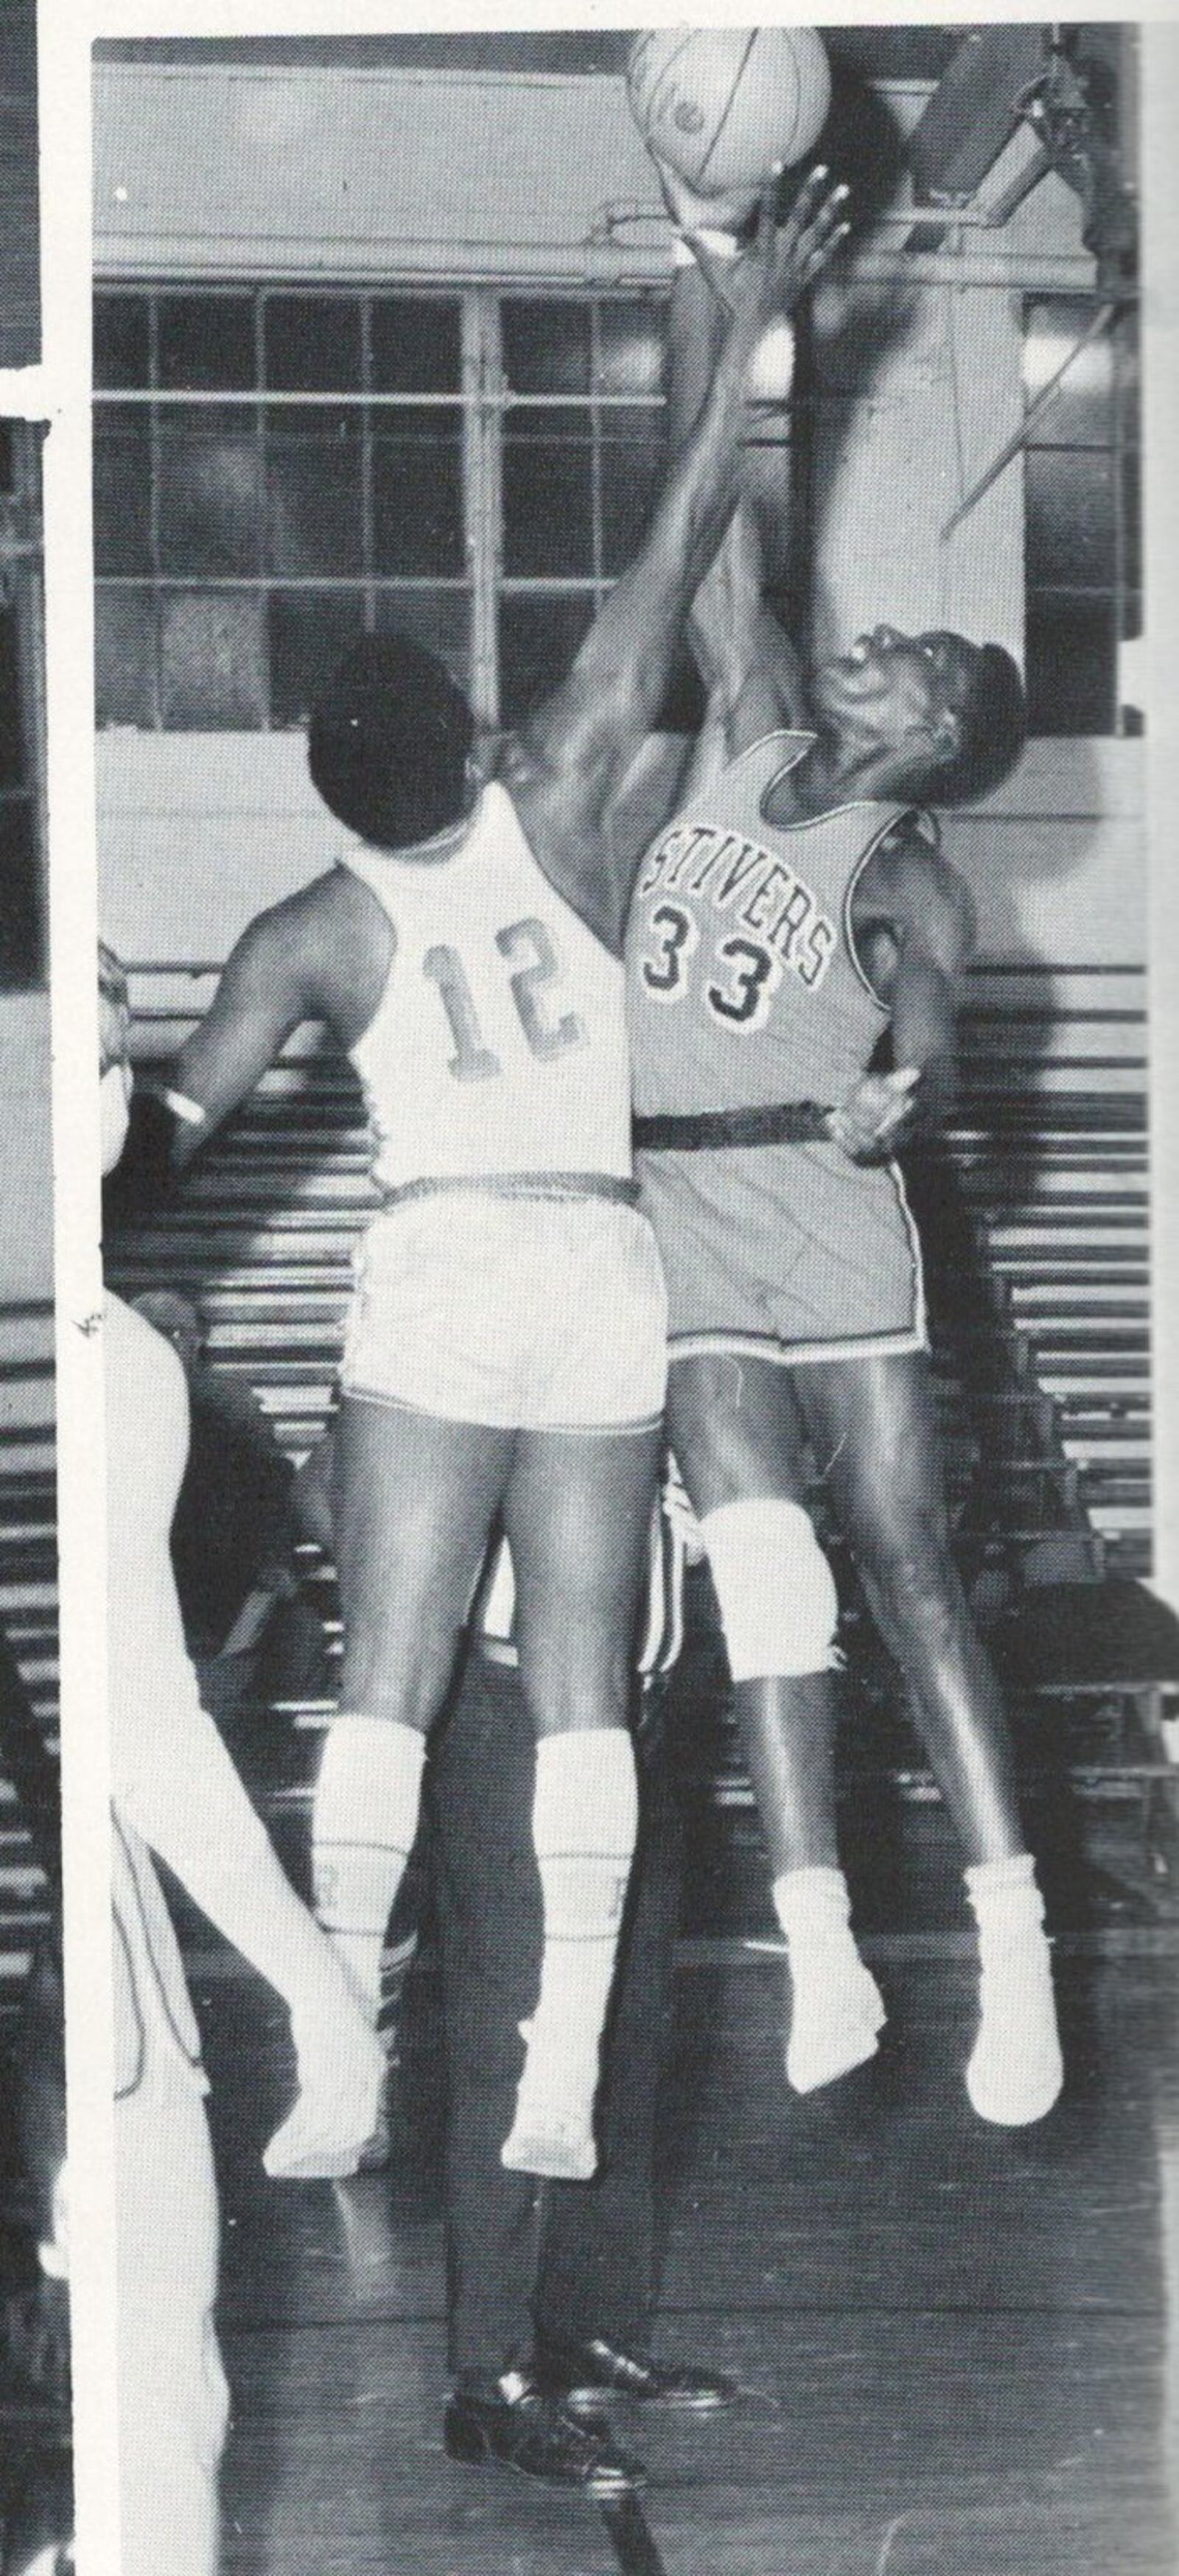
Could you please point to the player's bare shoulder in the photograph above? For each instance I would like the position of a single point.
(333, 940)
(910, 888)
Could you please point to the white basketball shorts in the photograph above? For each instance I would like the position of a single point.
(524, 1314)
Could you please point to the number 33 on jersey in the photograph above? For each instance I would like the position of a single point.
(499, 1044)
(743, 982)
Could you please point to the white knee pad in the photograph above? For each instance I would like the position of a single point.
(778, 1604)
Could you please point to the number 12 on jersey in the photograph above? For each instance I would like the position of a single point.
(528, 949)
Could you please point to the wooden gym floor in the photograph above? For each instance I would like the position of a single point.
(959, 2344)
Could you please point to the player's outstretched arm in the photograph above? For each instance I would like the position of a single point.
(751, 673)
(309, 957)
(569, 760)
(266, 989)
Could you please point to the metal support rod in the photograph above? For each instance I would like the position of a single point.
(1012, 198)
(1097, 323)
(556, 267)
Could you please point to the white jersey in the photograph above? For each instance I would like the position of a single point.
(499, 1044)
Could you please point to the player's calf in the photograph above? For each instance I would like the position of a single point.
(779, 1612)
(584, 1823)
(364, 1820)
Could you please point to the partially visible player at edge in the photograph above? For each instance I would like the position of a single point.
(506, 1350)
(793, 912)
(176, 1796)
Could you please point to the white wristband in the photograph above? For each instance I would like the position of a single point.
(721, 245)
(190, 1111)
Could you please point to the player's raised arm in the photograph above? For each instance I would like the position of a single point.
(569, 760)
(752, 675)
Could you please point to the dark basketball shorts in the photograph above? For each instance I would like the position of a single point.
(785, 1252)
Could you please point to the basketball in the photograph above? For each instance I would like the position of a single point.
(723, 104)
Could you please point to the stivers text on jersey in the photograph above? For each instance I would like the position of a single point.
(747, 884)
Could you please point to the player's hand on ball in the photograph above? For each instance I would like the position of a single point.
(869, 1122)
(796, 251)
(692, 211)
(784, 259)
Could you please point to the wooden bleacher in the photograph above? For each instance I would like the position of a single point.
(28, 1606)
(1070, 1241)
(1035, 1221)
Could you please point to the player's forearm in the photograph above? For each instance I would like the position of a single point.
(213, 1073)
(734, 638)
(267, 988)
(725, 607)
(637, 633)
(696, 327)
(190, 1122)
(925, 1034)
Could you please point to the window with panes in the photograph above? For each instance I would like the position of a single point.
(22, 888)
(1082, 550)
(278, 471)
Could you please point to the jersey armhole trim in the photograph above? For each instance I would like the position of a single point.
(689, 806)
(800, 735)
(849, 937)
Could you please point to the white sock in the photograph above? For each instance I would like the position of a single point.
(341, 2067)
(584, 1822)
(836, 2010)
(364, 1820)
(1015, 2071)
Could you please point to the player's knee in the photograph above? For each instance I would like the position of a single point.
(776, 1592)
(404, 1676)
(906, 1564)
(904, 1541)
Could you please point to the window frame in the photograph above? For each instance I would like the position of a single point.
(21, 509)
(1117, 595)
(485, 401)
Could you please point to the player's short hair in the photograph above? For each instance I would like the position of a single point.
(388, 742)
(994, 720)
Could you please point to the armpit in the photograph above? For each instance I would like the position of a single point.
(878, 955)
